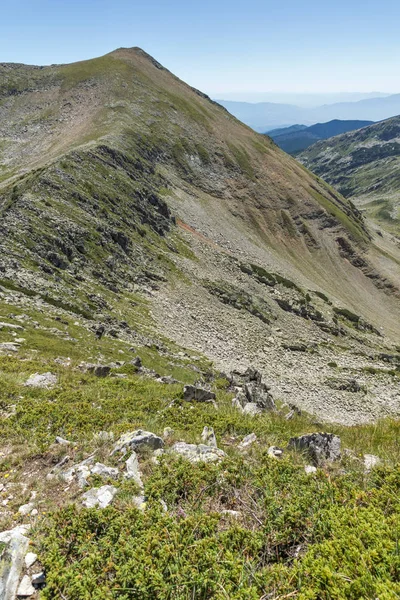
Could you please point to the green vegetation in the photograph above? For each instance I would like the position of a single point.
(243, 160)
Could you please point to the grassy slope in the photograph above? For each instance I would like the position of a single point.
(333, 535)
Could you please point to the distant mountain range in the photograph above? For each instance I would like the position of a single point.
(296, 138)
(265, 116)
(364, 165)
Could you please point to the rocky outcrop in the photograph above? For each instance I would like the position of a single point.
(320, 447)
(250, 390)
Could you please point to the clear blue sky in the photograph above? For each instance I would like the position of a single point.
(219, 45)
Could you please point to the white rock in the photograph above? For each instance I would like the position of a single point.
(26, 509)
(133, 440)
(208, 437)
(62, 441)
(25, 588)
(104, 471)
(309, 469)
(45, 380)
(139, 502)
(197, 453)
(252, 409)
(168, 432)
(371, 461)
(100, 497)
(132, 469)
(275, 452)
(12, 560)
(30, 559)
(248, 440)
(231, 513)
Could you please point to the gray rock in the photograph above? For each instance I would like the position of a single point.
(320, 447)
(30, 559)
(259, 394)
(252, 409)
(25, 588)
(208, 437)
(132, 469)
(239, 378)
(39, 579)
(99, 497)
(275, 452)
(10, 326)
(135, 440)
(99, 370)
(44, 380)
(198, 394)
(12, 560)
(371, 461)
(9, 347)
(198, 453)
(309, 469)
(104, 471)
(26, 509)
(62, 441)
(248, 440)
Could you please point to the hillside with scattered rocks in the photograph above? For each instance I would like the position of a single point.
(199, 355)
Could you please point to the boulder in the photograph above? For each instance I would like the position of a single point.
(99, 370)
(197, 453)
(275, 452)
(30, 559)
(44, 381)
(25, 588)
(104, 471)
(13, 547)
(371, 461)
(198, 394)
(238, 378)
(258, 393)
(250, 389)
(99, 497)
(248, 440)
(9, 347)
(252, 409)
(132, 469)
(320, 447)
(135, 440)
(208, 437)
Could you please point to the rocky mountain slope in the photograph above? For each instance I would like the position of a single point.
(118, 178)
(365, 166)
(299, 137)
(183, 309)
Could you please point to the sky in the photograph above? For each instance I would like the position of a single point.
(224, 48)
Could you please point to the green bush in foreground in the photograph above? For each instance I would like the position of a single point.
(309, 538)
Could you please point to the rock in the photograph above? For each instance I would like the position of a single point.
(231, 513)
(348, 385)
(139, 502)
(192, 392)
(26, 509)
(39, 579)
(198, 453)
(168, 432)
(99, 497)
(275, 452)
(371, 461)
(164, 505)
(136, 362)
(321, 447)
(9, 347)
(13, 544)
(10, 326)
(25, 588)
(138, 439)
(104, 471)
(258, 394)
(248, 440)
(30, 559)
(62, 441)
(99, 370)
(104, 436)
(309, 469)
(167, 379)
(208, 437)
(45, 380)
(252, 409)
(132, 469)
(80, 471)
(238, 378)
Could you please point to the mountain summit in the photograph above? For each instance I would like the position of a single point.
(122, 185)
